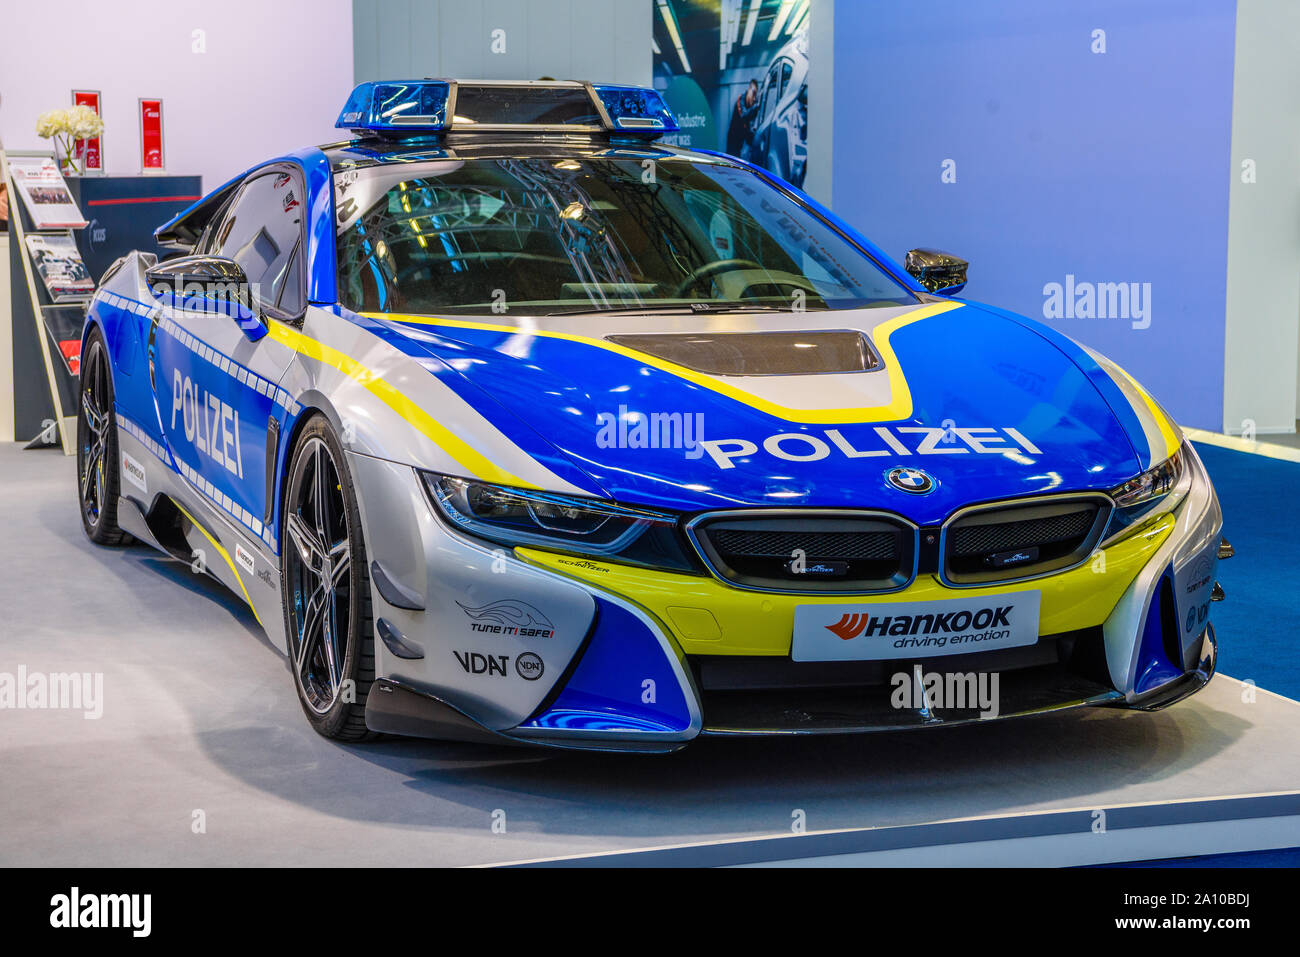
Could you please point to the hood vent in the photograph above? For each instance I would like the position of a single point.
(759, 353)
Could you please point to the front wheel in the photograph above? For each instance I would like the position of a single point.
(326, 587)
(98, 481)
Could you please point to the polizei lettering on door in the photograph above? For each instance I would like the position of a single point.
(210, 424)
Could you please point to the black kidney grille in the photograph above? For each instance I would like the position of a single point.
(822, 552)
(1029, 540)
(863, 546)
(991, 538)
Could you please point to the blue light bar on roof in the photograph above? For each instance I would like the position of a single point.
(397, 106)
(423, 107)
(634, 109)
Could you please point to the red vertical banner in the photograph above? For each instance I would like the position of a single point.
(90, 152)
(152, 159)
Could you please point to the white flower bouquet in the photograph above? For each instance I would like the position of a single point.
(65, 127)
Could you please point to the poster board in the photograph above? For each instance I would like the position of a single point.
(39, 186)
(153, 155)
(736, 77)
(90, 152)
(58, 263)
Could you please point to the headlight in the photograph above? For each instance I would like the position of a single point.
(582, 526)
(1156, 491)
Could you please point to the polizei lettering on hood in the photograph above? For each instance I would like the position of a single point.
(881, 441)
(210, 424)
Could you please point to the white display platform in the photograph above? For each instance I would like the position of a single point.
(202, 756)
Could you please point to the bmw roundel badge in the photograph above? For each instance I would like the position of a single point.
(910, 480)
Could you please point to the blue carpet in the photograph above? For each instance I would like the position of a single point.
(1285, 857)
(1257, 624)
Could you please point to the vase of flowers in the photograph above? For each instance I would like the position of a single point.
(65, 127)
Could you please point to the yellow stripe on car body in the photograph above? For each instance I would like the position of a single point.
(900, 396)
(474, 462)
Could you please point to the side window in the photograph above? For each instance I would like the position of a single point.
(262, 231)
(786, 70)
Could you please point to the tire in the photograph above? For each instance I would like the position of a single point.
(319, 594)
(98, 461)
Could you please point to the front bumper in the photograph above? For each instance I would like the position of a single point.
(533, 647)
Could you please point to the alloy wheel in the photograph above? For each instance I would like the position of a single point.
(318, 563)
(93, 447)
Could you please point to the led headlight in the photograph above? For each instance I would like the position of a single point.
(582, 526)
(1156, 491)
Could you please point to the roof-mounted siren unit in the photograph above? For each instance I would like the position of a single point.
(399, 109)
(402, 107)
(635, 109)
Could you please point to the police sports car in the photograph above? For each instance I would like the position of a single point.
(511, 423)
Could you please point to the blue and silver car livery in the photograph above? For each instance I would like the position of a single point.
(512, 424)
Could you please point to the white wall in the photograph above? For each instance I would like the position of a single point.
(605, 41)
(1263, 321)
(273, 78)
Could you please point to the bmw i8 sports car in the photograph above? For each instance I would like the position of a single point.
(512, 424)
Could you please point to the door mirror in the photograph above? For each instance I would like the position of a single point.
(208, 284)
(937, 271)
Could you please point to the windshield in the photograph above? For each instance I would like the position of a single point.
(580, 234)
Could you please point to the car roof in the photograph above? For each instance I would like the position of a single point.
(364, 152)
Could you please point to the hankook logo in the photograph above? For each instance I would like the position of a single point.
(849, 626)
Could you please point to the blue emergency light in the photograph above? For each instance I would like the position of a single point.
(410, 108)
(415, 106)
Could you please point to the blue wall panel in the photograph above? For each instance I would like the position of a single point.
(1109, 167)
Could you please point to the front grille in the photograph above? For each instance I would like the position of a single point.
(843, 546)
(1008, 542)
(982, 539)
(813, 552)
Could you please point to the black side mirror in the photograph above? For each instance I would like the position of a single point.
(208, 284)
(937, 271)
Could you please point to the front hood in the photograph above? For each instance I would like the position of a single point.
(984, 403)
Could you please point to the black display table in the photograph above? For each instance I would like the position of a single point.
(123, 212)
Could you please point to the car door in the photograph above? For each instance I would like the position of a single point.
(221, 407)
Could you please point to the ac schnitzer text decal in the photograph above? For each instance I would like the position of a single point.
(880, 441)
(919, 629)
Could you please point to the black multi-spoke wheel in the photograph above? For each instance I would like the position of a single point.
(97, 463)
(326, 587)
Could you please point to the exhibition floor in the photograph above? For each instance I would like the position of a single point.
(201, 731)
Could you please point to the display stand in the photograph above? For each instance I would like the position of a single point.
(49, 320)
